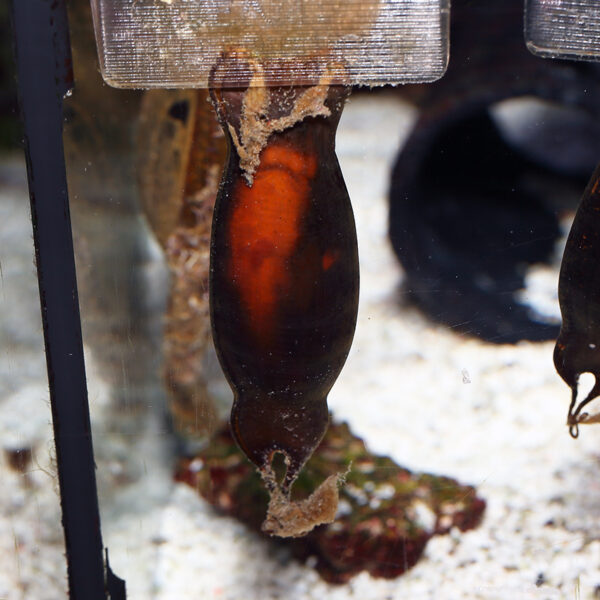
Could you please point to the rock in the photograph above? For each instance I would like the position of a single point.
(386, 513)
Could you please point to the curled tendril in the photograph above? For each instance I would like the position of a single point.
(574, 430)
(575, 416)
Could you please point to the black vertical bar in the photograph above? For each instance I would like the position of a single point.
(44, 73)
(115, 586)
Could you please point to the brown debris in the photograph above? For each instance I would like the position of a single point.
(182, 151)
(259, 107)
(255, 129)
(286, 518)
(18, 459)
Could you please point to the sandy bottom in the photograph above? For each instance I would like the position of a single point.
(488, 415)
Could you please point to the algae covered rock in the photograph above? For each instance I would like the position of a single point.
(386, 513)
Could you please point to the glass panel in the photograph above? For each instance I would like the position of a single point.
(462, 193)
(563, 28)
(144, 43)
(32, 551)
